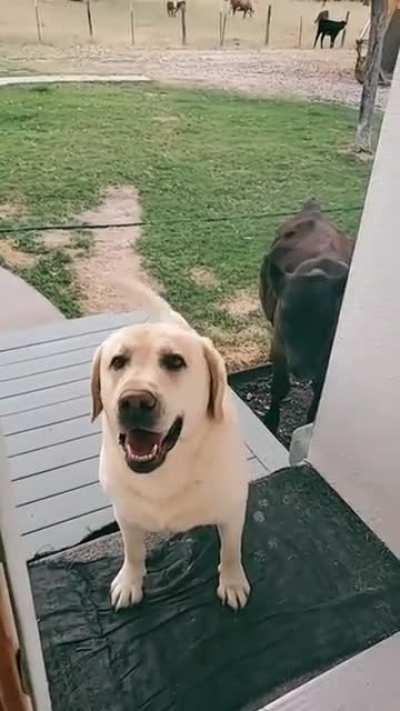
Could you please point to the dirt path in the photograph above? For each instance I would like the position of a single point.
(108, 271)
(309, 74)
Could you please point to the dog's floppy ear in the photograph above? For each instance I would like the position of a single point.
(218, 380)
(97, 404)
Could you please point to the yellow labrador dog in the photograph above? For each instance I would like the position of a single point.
(172, 456)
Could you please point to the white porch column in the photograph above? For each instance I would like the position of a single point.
(356, 439)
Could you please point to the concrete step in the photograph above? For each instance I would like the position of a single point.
(22, 306)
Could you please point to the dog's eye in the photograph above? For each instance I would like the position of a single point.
(118, 362)
(172, 361)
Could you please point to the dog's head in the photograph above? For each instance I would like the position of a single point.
(157, 383)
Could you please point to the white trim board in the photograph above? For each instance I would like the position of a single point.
(20, 589)
(369, 681)
(73, 78)
(355, 443)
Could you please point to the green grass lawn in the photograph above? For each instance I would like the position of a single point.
(191, 154)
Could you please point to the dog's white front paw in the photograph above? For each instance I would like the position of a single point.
(126, 588)
(233, 588)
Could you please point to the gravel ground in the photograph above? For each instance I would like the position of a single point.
(254, 388)
(309, 74)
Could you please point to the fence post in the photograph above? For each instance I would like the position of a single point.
(38, 25)
(301, 31)
(224, 19)
(344, 31)
(268, 25)
(183, 18)
(89, 18)
(132, 22)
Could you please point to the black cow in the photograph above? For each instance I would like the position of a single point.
(180, 6)
(330, 28)
(301, 287)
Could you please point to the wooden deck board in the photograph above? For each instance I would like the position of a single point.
(47, 364)
(52, 445)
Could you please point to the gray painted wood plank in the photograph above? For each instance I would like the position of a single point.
(257, 469)
(262, 443)
(42, 398)
(12, 340)
(69, 504)
(56, 481)
(57, 433)
(70, 437)
(67, 430)
(47, 416)
(43, 458)
(51, 458)
(65, 506)
(48, 349)
(68, 533)
(33, 383)
(367, 682)
(70, 431)
(79, 356)
(77, 474)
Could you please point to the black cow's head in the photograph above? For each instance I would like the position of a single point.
(308, 309)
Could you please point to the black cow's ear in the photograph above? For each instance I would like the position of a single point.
(336, 269)
(337, 272)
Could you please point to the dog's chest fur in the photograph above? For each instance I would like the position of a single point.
(176, 498)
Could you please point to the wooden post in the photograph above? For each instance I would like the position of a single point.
(89, 18)
(379, 10)
(268, 25)
(38, 24)
(224, 20)
(183, 18)
(344, 31)
(301, 31)
(220, 26)
(132, 22)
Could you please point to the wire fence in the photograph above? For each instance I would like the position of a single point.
(77, 226)
(190, 23)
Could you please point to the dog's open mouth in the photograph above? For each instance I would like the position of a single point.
(146, 450)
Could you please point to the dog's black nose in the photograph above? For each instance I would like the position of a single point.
(139, 403)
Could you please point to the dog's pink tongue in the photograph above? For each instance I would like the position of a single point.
(142, 442)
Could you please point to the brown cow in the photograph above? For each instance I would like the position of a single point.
(301, 288)
(244, 6)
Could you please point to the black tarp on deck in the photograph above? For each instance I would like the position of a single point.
(324, 588)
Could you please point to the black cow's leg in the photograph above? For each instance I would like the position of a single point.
(322, 40)
(317, 388)
(332, 41)
(279, 388)
(316, 38)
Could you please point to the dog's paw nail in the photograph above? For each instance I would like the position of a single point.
(125, 591)
(233, 591)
